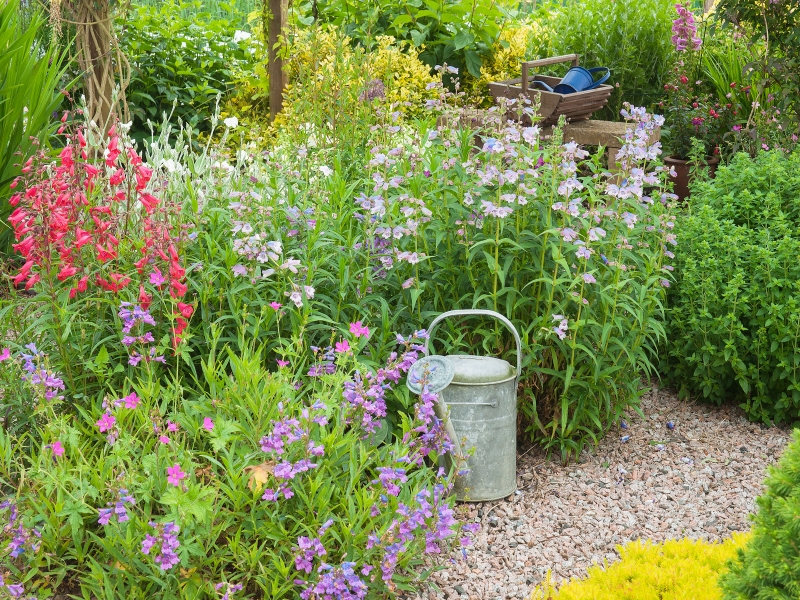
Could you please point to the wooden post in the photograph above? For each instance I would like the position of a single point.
(278, 78)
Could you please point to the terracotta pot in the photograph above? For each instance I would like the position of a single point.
(683, 178)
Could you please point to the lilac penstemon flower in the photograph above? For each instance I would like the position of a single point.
(569, 234)
(563, 326)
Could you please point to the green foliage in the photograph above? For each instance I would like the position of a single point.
(29, 93)
(671, 570)
(630, 37)
(180, 64)
(777, 24)
(733, 323)
(767, 566)
(445, 252)
(61, 477)
(460, 33)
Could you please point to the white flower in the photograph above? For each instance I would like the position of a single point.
(231, 122)
(327, 171)
(240, 36)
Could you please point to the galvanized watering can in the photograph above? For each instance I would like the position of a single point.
(478, 405)
(577, 79)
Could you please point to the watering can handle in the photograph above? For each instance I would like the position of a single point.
(542, 62)
(602, 80)
(480, 311)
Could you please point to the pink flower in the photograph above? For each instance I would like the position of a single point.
(208, 424)
(5, 354)
(57, 448)
(131, 400)
(174, 475)
(275, 305)
(172, 427)
(163, 439)
(357, 329)
(106, 422)
(342, 347)
(157, 278)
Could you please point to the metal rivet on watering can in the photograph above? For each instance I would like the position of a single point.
(478, 405)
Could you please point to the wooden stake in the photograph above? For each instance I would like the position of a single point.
(278, 78)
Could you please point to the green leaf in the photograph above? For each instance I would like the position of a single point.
(474, 62)
(462, 40)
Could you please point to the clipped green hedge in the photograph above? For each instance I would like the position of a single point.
(733, 316)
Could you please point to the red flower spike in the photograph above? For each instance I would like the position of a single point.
(178, 289)
(149, 201)
(186, 309)
(66, 272)
(144, 298)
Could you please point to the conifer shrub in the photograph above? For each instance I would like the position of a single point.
(769, 565)
(672, 570)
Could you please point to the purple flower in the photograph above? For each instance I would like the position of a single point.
(569, 234)
(589, 278)
(164, 543)
(684, 30)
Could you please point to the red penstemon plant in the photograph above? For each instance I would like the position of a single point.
(90, 218)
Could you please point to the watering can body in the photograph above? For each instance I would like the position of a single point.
(478, 405)
(577, 79)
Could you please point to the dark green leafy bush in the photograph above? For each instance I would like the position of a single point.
(630, 37)
(457, 32)
(185, 61)
(768, 566)
(733, 322)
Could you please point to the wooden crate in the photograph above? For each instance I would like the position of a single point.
(575, 107)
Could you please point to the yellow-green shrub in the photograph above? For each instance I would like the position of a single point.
(326, 69)
(525, 40)
(673, 570)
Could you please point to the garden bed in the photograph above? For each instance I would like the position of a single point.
(567, 518)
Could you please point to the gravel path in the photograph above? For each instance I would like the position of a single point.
(702, 484)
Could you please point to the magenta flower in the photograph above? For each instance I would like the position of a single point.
(174, 475)
(357, 329)
(157, 278)
(106, 422)
(5, 354)
(208, 424)
(131, 400)
(172, 427)
(275, 305)
(342, 347)
(282, 363)
(163, 439)
(57, 448)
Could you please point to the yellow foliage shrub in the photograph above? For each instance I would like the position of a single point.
(525, 40)
(324, 68)
(673, 570)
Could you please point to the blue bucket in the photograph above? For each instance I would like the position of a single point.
(577, 79)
